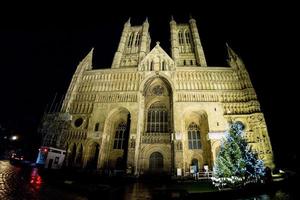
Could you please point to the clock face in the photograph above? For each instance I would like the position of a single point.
(158, 90)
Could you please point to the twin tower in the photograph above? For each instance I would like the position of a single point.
(135, 45)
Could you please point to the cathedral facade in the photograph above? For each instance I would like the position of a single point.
(155, 112)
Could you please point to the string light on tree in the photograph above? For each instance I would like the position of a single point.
(236, 164)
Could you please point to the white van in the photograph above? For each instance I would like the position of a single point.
(50, 157)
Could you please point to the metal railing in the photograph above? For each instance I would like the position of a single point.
(202, 175)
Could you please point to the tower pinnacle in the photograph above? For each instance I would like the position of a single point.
(128, 21)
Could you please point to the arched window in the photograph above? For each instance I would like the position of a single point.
(194, 136)
(120, 136)
(180, 36)
(163, 64)
(151, 66)
(96, 127)
(137, 39)
(187, 37)
(157, 121)
(130, 40)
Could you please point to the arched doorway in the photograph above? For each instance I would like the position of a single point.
(93, 156)
(72, 156)
(156, 162)
(120, 163)
(79, 156)
(195, 165)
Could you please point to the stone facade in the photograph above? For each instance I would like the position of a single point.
(152, 112)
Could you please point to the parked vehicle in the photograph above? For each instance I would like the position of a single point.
(16, 157)
(50, 157)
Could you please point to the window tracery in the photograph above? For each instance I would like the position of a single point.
(194, 136)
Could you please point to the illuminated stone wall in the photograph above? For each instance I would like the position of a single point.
(99, 101)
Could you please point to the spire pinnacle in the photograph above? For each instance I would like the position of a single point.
(192, 20)
(146, 20)
(231, 53)
(128, 21)
(234, 60)
(87, 60)
(90, 54)
(172, 20)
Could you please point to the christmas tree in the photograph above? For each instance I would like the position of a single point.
(236, 165)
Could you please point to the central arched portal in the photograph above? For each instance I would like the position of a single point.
(158, 126)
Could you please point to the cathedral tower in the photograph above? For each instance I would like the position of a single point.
(133, 46)
(186, 45)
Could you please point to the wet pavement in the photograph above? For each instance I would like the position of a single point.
(24, 182)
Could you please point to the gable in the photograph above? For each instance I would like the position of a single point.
(157, 60)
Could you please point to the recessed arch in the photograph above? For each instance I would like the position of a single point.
(72, 155)
(117, 131)
(195, 130)
(157, 95)
(79, 156)
(93, 155)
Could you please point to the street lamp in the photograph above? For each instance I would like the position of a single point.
(14, 137)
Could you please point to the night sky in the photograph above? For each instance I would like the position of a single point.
(41, 48)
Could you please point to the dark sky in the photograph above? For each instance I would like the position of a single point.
(40, 49)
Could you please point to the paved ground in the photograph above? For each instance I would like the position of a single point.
(23, 183)
(13, 184)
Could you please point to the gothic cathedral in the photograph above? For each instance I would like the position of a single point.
(155, 112)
